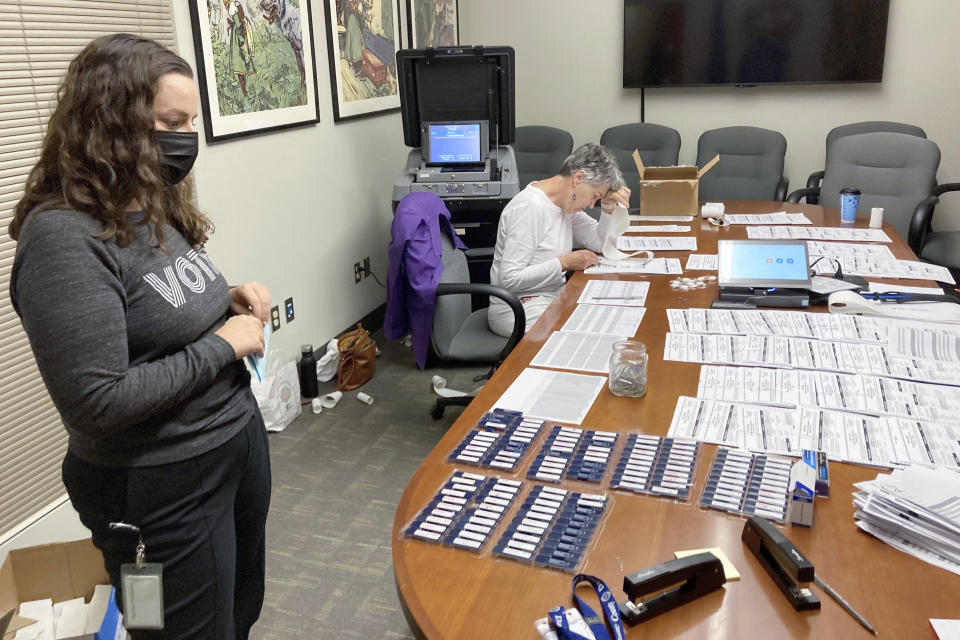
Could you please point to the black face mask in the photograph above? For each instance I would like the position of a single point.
(178, 152)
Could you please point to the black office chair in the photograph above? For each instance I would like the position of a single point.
(892, 170)
(938, 247)
(659, 146)
(460, 334)
(856, 128)
(750, 167)
(540, 151)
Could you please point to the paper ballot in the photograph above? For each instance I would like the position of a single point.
(618, 225)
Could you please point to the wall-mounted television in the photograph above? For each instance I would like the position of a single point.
(683, 43)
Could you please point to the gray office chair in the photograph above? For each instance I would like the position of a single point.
(460, 334)
(892, 170)
(938, 247)
(659, 146)
(540, 151)
(750, 167)
(856, 128)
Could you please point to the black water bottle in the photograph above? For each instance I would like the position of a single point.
(308, 372)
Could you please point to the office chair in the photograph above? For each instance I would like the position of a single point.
(892, 170)
(856, 128)
(659, 146)
(462, 335)
(938, 247)
(540, 151)
(750, 167)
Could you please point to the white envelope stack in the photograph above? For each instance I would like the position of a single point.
(915, 510)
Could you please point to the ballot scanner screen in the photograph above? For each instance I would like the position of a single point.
(455, 142)
(763, 263)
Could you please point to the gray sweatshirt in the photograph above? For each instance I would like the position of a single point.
(124, 341)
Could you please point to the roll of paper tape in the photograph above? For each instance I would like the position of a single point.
(330, 400)
(316, 406)
(876, 217)
(364, 398)
(440, 388)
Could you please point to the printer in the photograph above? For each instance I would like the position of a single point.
(457, 109)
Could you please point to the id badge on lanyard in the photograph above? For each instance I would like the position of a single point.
(141, 586)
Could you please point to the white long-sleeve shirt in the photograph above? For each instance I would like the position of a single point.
(533, 234)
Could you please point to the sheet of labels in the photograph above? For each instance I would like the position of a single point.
(817, 233)
(464, 512)
(499, 440)
(553, 528)
(657, 466)
(878, 441)
(804, 353)
(873, 395)
(768, 322)
(748, 484)
(573, 454)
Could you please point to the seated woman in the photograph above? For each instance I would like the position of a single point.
(538, 227)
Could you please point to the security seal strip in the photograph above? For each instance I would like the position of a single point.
(657, 466)
(748, 484)
(499, 441)
(553, 528)
(574, 454)
(464, 512)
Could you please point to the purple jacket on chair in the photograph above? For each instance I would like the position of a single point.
(416, 264)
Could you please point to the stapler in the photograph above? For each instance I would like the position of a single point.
(689, 577)
(786, 565)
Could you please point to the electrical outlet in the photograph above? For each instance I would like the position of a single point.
(288, 306)
(366, 267)
(275, 318)
(357, 272)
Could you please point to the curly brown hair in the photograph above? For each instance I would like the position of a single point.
(100, 152)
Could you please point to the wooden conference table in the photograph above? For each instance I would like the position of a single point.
(452, 593)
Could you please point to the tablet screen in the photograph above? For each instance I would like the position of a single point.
(763, 263)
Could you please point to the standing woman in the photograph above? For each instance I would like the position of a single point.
(140, 340)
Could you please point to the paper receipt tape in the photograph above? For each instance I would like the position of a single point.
(618, 225)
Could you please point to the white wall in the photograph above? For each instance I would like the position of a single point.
(295, 209)
(569, 75)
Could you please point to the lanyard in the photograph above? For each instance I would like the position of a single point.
(609, 609)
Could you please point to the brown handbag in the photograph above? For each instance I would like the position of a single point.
(358, 359)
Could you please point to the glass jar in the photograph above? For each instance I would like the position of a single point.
(628, 369)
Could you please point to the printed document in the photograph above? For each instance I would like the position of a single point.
(615, 292)
(577, 351)
(670, 266)
(646, 243)
(552, 395)
(779, 217)
(608, 320)
(703, 262)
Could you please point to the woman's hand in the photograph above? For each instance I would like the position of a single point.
(244, 333)
(578, 260)
(251, 298)
(621, 196)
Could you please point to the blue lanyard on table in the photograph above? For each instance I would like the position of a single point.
(609, 609)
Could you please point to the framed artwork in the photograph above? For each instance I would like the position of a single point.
(362, 41)
(255, 66)
(433, 23)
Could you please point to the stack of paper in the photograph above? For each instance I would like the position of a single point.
(915, 510)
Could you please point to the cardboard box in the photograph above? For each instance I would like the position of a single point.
(670, 191)
(58, 571)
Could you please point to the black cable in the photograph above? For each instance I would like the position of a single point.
(377, 279)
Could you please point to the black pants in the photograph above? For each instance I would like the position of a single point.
(203, 518)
